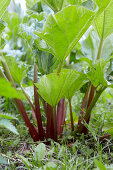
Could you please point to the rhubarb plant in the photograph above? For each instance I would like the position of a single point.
(63, 28)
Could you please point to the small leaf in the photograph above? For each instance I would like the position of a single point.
(3, 161)
(100, 165)
(7, 116)
(96, 75)
(7, 124)
(50, 166)
(25, 161)
(40, 152)
(7, 90)
(2, 26)
(18, 73)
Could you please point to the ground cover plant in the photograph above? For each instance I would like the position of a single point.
(56, 51)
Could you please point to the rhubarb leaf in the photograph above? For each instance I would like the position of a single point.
(53, 87)
(96, 75)
(64, 29)
(75, 85)
(7, 90)
(106, 20)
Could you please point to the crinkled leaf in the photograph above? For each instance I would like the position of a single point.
(53, 87)
(31, 3)
(3, 7)
(54, 5)
(64, 29)
(8, 125)
(7, 90)
(46, 62)
(89, 46)
(89, 4)
(107, 48)
(96, 75)
(40, 152)
(105, 19)
(37, 16)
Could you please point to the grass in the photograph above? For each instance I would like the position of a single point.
(74, 151)
(79, 152)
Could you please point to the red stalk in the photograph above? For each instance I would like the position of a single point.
(51, 128)
(104, 137)
(84, 103)
(87, 99)
(32, 130)
(92, 91)
(71, 115)
(20, 106)
(48, 126)
(54, 124)
(61, 113)
(37, 107)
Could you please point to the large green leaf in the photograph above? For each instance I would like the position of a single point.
(3, 7)
(75, 85)
(64, 29)
(53, 87)
(7, 90)
(106, 20)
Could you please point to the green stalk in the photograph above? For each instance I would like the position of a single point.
(60, 67)
(101, 40)
(94, 101)
(7, 72)
(71, 115)
(2, 75)
(27, 97)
